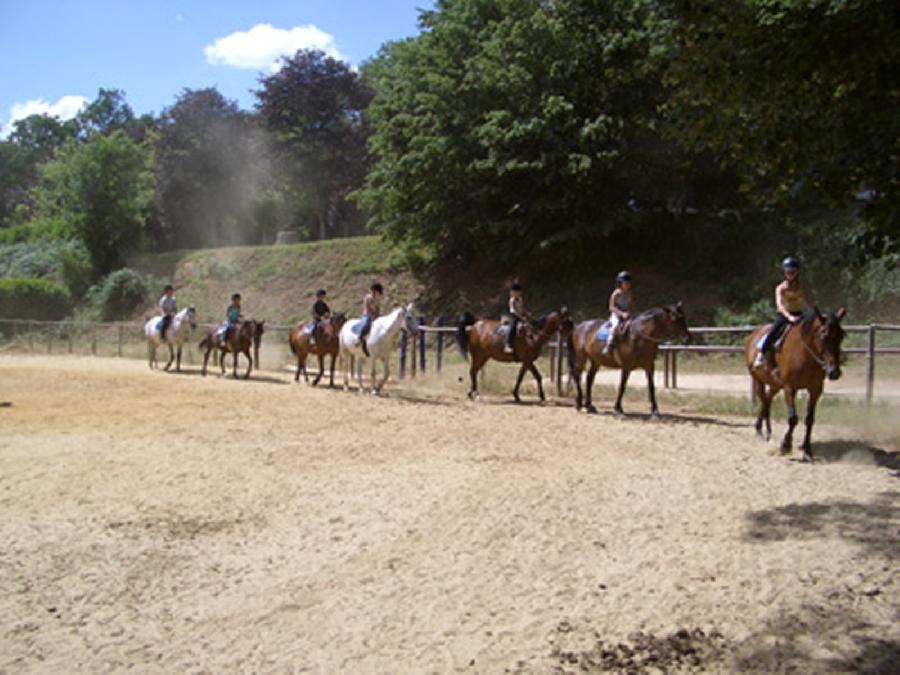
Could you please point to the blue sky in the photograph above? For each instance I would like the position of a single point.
(54, 54)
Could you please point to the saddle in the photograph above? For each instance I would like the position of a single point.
(779, 341)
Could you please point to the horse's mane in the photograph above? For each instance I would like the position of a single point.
(809, 316)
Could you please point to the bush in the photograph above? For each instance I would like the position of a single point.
(759, 312)
(33, 299)
(119, 294)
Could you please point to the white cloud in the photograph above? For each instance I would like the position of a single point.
(65, 108)
(262, 45)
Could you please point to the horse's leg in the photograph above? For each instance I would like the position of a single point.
(477, 363)
(373, 374)
(205, 360)
(522, 371)
(359, 371)
(575, 376)
(537, 377)
(151, 353)
(651, 389)
(790, 400)
(331, 380)
(623, 381)
(249, 363)
(806, 446)
(178, 358)
(321, 368)
(171, 356)
(759, 389)
(384, 379)
(589, 387)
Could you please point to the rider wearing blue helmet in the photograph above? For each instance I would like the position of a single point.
(791, 300)
(621, 307)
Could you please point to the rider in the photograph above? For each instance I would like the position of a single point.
(517, 313)
(371, 310)
(790, 300)
(320, 312)
(232, 318)
(621, 306)
(168, 307)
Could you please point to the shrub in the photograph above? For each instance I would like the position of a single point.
(119, 294)
(33, 299)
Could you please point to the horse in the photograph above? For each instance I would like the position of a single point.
(807, 356)
(636, 348)
(379, 342)
(183, 324)
(327, 343)
(484, 340)
(244, 336)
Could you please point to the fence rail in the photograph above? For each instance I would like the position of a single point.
(118, 337)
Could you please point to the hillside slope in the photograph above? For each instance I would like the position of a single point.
(277, 282)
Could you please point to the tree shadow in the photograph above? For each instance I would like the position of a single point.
(873, 526)
(783, 644)
(855, 452)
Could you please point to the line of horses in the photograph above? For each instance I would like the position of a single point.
(809, 352)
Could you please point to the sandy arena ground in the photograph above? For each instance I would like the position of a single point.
(172, 523)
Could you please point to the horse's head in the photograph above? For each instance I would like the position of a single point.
(338, 319)
(191, 316)
(247, 329)
(830, 335)
(259, 327)
(676, 322)
(408, 316)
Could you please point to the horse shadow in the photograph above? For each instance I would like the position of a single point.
(668, 418)
(855, 452)
(872, 526)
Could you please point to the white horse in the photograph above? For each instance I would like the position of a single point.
(179, 331)
(380, 342)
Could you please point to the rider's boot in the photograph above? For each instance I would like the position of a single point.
(362, 344)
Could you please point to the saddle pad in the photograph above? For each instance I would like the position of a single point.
(159, 324)
(603, 332)
(502, 329)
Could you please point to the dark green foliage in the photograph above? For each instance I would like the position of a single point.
(37, 299)
(314, 106)
(120, 294)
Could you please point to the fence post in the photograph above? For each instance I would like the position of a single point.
(403, 340)
(553, 347)
(50, 327)
(421, 344)
(121, 338)
(71, 331)
(31, 328)
(440, 346)
(666, 368)
(93, 341)
(674, 370)
(870, 374)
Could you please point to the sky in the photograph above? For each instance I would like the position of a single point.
(56, 54)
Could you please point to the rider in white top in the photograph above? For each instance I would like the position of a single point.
(168, 307)
(621, 307)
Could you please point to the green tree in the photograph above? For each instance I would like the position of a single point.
(314, 107)
(210, 170)
(103, 191)
(800, 95)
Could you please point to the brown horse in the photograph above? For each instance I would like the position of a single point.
(240, 339)
(636, 348)
(327, 343)
(484, 341)
(808, 354)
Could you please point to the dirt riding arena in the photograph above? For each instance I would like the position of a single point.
(172, 523)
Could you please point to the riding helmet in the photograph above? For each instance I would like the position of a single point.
(168, 287)
(320, 293)
(236, 296)
(377, 287)
(624, 275)
(516, 286)
(790, 263)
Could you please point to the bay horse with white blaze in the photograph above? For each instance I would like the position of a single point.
(327, 334)
(245, 335)
(484, 340)
(636, 348)
(809, 353)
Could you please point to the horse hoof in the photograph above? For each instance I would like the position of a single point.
(619, 412)
(654, 415)
(807, 457)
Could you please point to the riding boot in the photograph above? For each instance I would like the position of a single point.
(365, 348)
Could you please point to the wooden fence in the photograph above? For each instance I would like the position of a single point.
(119, 337)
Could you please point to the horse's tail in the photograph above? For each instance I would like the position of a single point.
(466, 319)
(291, 343)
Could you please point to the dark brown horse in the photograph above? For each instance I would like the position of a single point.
(809, 352)
(484, 341)
(239, 341)
(635, 348)
(327, 343)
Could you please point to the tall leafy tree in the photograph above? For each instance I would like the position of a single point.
(314, 107)
(801, 95)
(519, 126)
(102, 190)
(207, 171)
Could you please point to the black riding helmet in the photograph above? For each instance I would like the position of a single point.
(168, 287)
(320, 293)
(377, 287)
(790, 263)
(236, 296)
(624, 275)
(516, 286)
